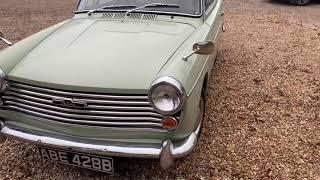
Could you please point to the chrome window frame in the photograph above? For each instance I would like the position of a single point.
(209, 10)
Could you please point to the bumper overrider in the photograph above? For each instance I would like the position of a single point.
(166, 152)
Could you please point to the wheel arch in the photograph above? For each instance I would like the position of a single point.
(204, 92)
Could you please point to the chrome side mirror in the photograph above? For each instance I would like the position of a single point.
(203, 48)
(5, 40)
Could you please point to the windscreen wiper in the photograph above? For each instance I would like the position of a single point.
(111, 7)
(5, 40)
(154, 5)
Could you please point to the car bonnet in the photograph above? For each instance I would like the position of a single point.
(102, 55)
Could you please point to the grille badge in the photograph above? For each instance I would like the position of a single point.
(69, 102)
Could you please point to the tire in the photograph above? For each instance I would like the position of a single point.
(202, 107)
(299, 2)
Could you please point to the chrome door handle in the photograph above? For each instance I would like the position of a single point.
(222, 13)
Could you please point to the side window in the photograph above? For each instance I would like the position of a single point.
(208, 3)
(87, 4)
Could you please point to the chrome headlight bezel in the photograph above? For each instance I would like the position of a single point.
(3, 84)
(173, 83)
(2, 74)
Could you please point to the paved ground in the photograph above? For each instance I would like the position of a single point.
(263, 114)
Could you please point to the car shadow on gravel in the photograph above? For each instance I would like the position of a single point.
(287, 3)
(123, 168)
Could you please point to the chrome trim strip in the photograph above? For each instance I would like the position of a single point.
(10, 104)
(98, 107)
(85, 126)
(87, 95)
(18, 101)
(86, 122)
(47, 96)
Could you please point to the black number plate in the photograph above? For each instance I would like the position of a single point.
(104, 164)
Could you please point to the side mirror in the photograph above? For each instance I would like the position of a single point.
(203, 48)
(5, 40)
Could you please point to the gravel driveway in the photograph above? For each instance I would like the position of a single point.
(263, 112)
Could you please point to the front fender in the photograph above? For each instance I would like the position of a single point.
(190, 74)
(12, 55)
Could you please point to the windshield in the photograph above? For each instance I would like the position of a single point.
(187, 7)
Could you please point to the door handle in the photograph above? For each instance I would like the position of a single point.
(222, 13)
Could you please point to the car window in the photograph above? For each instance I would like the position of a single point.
(189, 7)
(208, 3)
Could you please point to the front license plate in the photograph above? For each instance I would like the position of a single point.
(104, 164)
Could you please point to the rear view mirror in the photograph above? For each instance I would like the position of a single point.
(5, 40)
(203, 48)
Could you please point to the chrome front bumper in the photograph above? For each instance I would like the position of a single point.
(166, 151)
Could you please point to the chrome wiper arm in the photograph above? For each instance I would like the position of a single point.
(154, 5)
(111, 7)
(5, 40)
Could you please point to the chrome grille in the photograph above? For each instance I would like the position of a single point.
(107, 110)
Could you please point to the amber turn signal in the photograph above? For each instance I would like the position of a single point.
(169, 123)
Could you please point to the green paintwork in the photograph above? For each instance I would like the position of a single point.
(97, 54)
(102, 54)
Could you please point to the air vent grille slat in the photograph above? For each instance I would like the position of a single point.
(149, 16)
(108, 15)
(117, 15)
(135, 16)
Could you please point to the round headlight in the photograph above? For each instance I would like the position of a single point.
(167, 95)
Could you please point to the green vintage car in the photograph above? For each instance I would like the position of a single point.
(119, 79)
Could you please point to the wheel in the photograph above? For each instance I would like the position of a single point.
(300, 2)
